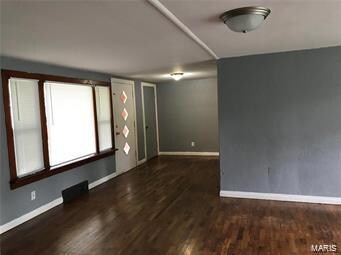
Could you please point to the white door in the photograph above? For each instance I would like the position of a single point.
(124, 118)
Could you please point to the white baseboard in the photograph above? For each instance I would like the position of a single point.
(102, 180)
(188, 153)
(282, 197)
(28, 216)
(140, 162)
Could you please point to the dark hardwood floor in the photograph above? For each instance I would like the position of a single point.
(171, 205)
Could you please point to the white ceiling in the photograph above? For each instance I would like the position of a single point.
(292, 25)
(197, 70)
(131, 38)
(118, 37)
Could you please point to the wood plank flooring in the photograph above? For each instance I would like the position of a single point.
(171, 205)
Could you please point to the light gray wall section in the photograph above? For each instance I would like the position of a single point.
(280, 122)
(139, 119)
(188, 111)
(15, 203)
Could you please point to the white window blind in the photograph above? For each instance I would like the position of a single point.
(104, 117)
(25, 111)
(70, 122)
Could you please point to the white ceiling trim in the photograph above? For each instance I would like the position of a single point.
(159, 6)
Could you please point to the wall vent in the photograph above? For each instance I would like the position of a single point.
(75, 191)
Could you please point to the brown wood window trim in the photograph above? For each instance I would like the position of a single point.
(48, 171)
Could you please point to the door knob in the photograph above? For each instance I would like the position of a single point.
(118, 133)
(147, 127)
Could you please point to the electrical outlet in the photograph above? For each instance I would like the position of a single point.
(192, 144)
(33, 195)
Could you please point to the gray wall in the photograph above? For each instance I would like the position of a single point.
(15, 203)
(280, 122)
(188, 111)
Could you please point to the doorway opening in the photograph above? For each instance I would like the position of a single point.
(150, 120)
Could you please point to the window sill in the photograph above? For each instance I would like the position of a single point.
(19, 182)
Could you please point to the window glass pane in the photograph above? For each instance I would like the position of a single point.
(126, 148)
(70, 122)
(104, 117)
(25, 110)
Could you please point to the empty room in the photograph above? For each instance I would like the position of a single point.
(170, 127)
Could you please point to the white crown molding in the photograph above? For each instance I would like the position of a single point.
(163, 9)
(281, 197)
(187, 153)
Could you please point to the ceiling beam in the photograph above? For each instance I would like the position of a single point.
(161, 8)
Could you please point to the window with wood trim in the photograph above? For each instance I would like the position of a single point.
(103, 106)
(70, 122)
(54, 124)
(27, 135)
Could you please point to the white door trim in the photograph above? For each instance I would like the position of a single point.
(122, 81)
(131, 83)
(146, 84)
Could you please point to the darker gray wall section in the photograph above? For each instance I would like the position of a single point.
(280, 122)
(15, 203)
(188, 111)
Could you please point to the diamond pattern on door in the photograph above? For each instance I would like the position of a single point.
(126, 148)
(125, 131)
(123, 97)
(124, 114)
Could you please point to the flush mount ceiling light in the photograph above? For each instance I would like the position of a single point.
(245, 19)
(177, 76)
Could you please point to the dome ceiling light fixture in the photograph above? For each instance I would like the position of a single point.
(245, 19)
(177, 76)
